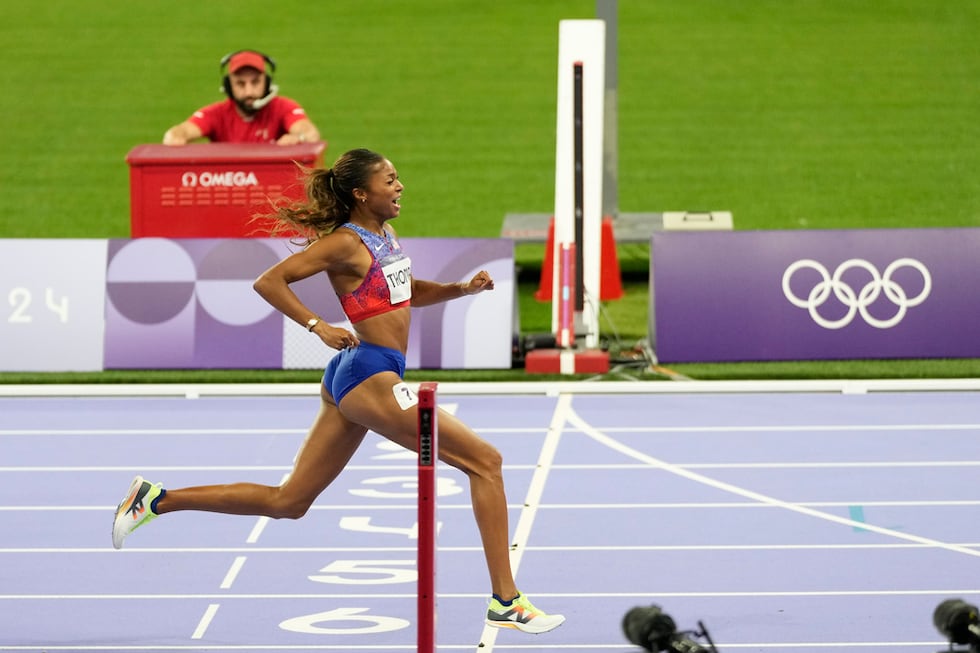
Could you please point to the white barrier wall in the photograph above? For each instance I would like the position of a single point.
(157, 303)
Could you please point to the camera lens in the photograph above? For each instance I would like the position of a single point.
(649, 627)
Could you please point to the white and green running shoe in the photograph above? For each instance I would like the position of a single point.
(520, 614)
(134, 510)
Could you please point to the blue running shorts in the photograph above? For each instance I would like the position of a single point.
(351, 366)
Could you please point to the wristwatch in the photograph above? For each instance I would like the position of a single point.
(312, 322)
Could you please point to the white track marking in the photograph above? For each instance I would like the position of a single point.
(202, 626)
(233, 571)
(604, 439)
(559, 418)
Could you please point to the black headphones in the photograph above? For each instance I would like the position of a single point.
(226, 81)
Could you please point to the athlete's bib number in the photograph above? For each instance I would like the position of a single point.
(398, 274)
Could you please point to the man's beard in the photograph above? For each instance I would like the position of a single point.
(247, 109)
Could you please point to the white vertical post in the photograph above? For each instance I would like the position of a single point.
(580, 42)
(608, 12)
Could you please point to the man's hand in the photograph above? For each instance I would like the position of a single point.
(292, 139)
(301, 131)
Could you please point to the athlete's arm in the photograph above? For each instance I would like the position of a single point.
(337, 254)
(426, 293)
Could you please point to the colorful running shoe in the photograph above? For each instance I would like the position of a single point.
(521, 614)
(134, 510)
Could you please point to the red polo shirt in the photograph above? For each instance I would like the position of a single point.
(221, 122)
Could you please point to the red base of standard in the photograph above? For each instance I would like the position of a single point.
(566, 361)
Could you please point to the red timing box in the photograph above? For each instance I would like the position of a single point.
(212, 190)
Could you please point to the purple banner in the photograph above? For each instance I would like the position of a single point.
(189, 303)
(804, 295)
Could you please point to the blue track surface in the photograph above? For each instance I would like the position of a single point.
(801, 522)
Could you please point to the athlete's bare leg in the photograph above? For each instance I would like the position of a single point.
(373, 404)
(328, 447)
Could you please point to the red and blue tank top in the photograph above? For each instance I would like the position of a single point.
(388, 284)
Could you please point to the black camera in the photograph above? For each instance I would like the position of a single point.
(958, 621)
(654, 630)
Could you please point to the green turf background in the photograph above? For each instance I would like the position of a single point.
(814, 114)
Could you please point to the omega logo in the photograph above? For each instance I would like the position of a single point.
(228, 178)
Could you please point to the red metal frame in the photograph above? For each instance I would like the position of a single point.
(428, 444)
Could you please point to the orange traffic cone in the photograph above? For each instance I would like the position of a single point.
(610, 279)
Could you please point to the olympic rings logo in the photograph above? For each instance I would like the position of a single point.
(857, 302)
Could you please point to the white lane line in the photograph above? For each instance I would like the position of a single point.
(604, 439)
(260, 525)
(647, 593)
(232, 574)
(714, 428)
(681, 505)
(172, 431)
(871, 464)
(532, 502)
(202, 626)
(470, 549)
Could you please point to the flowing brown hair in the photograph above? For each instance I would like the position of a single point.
(329, 196)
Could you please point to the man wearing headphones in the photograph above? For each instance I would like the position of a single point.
(253, 112)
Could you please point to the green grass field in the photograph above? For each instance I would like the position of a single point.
(818, 114)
